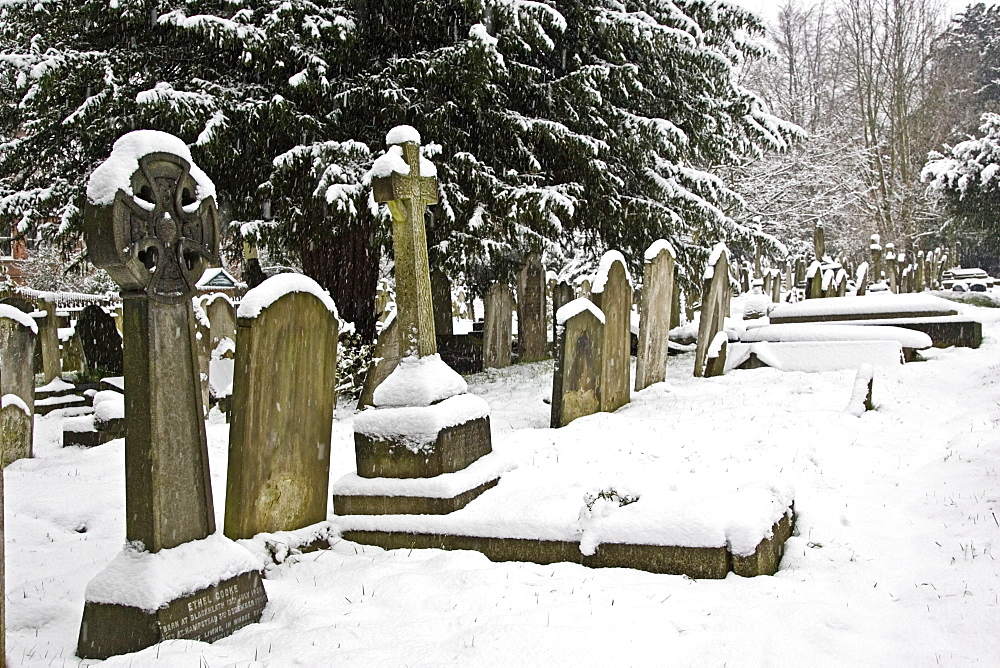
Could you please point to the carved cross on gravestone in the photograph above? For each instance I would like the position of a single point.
(408, 194)
(155, 244)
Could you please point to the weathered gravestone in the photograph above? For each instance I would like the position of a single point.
(150, 221)
(279, 442)
(385, 358)
(576, 380)
(814, 281)
(715, 295)
(562, 294)
(612, 292)
(655, 308)
(497, 327)
(424, 423)
(819, 242)
(441, 296)
(532, 334)
(102, 345)
(861, 279)
(48, 335)
(17, 385)
(221, 317)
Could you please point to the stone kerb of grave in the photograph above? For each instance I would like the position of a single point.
(17, 385)
(279, 443)
(576, 378)
(612, 293)
(716, 293)
(655, 305)
(424, 424)
(150, 220)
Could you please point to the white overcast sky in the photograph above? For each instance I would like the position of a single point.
(769, 8)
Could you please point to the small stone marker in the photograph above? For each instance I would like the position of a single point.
(814, 281)
(441, 296)
(655, 310)
(102, 345)
(532, 336)
(576, 381)
(497, 327)
(715, 294)
(17, 385)
(150, 221)
(819, 242)
(221, 316)
(612, 293)
(279, 442)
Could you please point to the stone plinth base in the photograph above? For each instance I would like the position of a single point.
(208, 615)
(695, 562)
(455, 448)
(54, 403)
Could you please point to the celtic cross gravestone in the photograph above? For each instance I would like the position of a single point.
(151, 223)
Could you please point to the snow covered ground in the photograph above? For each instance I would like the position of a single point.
(892, 563)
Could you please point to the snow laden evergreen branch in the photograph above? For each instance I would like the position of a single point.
(970, 166)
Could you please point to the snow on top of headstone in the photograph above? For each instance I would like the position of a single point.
(418, 426)
(198, 306)
(392, 161)
(713, 259)
(577, 306)
(419, 381)
(56, 385)
(715, 348)
(209, 299)
(813, 268)
(256, 300)
(151, 580)
(402, 134)
(18, 316)
(658, 247)
(116, 172)
(604, 268)
(14, 400)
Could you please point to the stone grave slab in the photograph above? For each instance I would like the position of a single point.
(612, 293)
(576, 379)
(279, 442)
(655, 310)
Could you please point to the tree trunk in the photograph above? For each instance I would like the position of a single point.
(347, 265)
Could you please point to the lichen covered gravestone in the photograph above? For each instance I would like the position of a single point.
(279, 443)
(576, 380)
(424, 424)
(715, 296)
(612, 292)
(17, 385)
(532, 336)
(150, 221)
(655, 314)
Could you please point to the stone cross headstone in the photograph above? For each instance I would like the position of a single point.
(497, 326)
(102, 345)
(532, 335)
(654, 314)
(612, 293)
(408, 193)
(576, 380)
(155, 232)
(279, 441)
(17, 385)
(714, 295)
(441, 296)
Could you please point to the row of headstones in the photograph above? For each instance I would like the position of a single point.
(593, 339)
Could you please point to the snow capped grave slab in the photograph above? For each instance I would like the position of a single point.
(853, 308)
(810, 356)
(818, 333)
(418, 427)
(18, 316)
